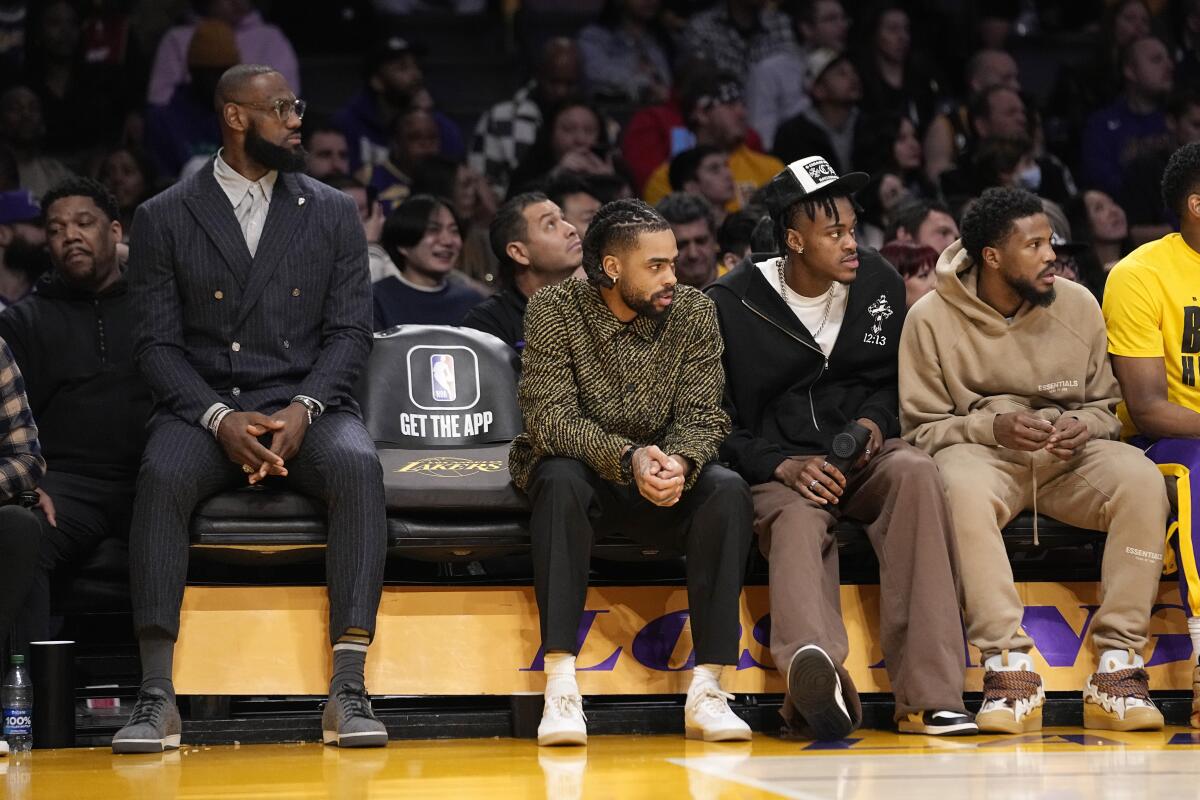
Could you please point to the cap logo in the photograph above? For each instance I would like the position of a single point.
(812, 173)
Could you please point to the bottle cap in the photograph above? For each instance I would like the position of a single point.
(18, 659)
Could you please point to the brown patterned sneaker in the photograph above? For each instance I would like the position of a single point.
(1120, 701)
(1195, 720)
(1012, 701)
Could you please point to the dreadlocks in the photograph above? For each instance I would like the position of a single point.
(615, 228)
(826, 201)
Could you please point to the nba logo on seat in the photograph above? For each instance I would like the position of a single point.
(441, 374)
(443, 377)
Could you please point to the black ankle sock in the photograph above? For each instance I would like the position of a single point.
(349, 658)
(158, 657)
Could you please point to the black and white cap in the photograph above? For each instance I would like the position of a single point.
(808, 177)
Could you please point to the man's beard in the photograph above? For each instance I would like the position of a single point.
(645, 307)
(1030, 293)
(273, 156)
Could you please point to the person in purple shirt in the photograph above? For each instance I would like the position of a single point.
(186, 126)
(394, 84)
(1135, 123)
(258, 42)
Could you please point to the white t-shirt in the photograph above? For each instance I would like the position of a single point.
(810, 310)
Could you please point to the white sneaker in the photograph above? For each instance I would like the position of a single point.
(707, 716)
(563, 721)
(3, 748)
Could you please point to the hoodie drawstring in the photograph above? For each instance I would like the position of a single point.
(1033, 469)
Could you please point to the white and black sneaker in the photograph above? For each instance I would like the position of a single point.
(939, 723)
(815, 689)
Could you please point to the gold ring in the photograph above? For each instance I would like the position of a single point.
(246, 468)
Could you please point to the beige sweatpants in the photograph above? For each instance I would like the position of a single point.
(1109, 486)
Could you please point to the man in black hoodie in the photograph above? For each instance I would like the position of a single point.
(73, 341)
(811, 344)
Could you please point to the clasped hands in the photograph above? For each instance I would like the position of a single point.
(658, 476)
(1020, 430)
(239, 435)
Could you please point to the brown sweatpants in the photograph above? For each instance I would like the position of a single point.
(899, 498)
(1110, 487)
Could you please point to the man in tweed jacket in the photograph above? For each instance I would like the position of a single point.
(254, 292)
(621, 393)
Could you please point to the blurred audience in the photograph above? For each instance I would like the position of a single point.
(828, 127)
(422, 237)
(925, 222)
(185, 126)
(506, 131)
(23, 256)
(394, 85)
(414, 139)
(327, 150)
(917, 264)
(736, 34)
(704, 171)
(573, 138)
(129, 175)
(715, 114)
(692, 221)
(1135, 123)
(625, 53)
(257, 41)
(23, 133)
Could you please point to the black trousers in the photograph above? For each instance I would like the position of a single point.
(183, 464)
(86, 510)
(20, 535)
(711, 524)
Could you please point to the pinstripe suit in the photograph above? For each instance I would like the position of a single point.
(219, 326)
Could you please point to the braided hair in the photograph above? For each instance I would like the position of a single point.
(615, 228)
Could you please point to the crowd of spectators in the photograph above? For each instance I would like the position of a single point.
(694, 105)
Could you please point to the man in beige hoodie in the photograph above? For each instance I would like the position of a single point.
(1005, 380)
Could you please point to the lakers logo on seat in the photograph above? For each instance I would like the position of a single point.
(451, 467)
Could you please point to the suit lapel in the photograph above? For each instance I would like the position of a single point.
(286, 211)
(210, 206)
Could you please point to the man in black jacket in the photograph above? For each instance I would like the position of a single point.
(536, 247)
(811, 344)
(73, 341)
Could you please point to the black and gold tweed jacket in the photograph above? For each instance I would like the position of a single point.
(592, 385)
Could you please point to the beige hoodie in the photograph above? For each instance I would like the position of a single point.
(962, 364)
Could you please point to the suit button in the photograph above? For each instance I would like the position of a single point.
(235, 391)
(236, 347)
(295, 292)
(219, 295)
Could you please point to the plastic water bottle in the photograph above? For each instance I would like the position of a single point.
(18, 706)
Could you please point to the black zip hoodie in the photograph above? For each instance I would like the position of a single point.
(784, 397)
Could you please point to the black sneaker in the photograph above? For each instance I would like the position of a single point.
(348, 720)
(939, 723)
(153, 726)
(815, 689)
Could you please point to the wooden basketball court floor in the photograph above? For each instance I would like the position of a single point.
(1057, 764)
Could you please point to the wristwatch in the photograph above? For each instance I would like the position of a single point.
(310, 406)
(627, 463)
